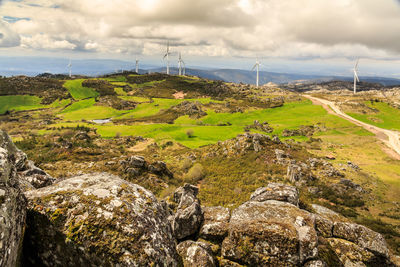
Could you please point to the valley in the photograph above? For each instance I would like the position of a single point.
(164, 131)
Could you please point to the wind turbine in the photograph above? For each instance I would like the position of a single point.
(356, 79)
(70, 67)
(182, 66)
(137, 65)
(257, 65)
(167, 56)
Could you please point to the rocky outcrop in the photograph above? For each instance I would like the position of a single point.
(137, 165)
(353, 244)
(271, 233)
(193, 109)
(97, 219)
(30, 175)
(12, 204)
(188, 216)
(265, 127)
(196, 254)
(215, 225)
(276, 191)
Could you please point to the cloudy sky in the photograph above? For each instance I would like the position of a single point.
(301, 33)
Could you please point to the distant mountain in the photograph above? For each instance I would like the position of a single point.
(249, 77)
(32, 66)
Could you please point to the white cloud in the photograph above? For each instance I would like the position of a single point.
(8, 38)
(275, 28)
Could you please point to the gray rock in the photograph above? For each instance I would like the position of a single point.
(276, 191)
(34, 175)
(315, 263)
(98, 220)
(12, 205)
(195, 254)
(215, 225)
(362, 236)
(189, 216)
(270, 233)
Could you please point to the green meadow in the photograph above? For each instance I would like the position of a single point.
(206, 130)
(388, 117)
(19, 102)
(78, 91)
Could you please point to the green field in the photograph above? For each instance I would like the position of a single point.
(78, 91)
(19, 102)
(388, 117)
(206, 131)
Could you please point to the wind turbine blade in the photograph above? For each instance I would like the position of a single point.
(356, 76)
(254, 66)
(355, 66)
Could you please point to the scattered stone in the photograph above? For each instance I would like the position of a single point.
(353, 166)
(276, 191)
(215, 225)
(196, 254)
(315, 263)
(188, 216)
(349, 184)
(265, 127)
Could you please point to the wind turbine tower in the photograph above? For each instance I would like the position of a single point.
(167, 56)
(70, 68)
(257, 66)
(137, 65)
(182, 66)
(356, 79)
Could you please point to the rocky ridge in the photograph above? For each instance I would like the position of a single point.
(99, 219)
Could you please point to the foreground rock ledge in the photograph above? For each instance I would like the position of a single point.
(97, 220)
(12, 204)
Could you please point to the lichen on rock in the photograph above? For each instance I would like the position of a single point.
(98, 219)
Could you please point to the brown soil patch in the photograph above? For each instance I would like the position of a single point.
(179, 95)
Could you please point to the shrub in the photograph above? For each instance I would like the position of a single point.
(186, 163)
(195, 173)
(189, 133)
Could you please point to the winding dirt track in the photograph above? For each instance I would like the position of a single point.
(389, 137)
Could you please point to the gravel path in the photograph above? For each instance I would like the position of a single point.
(389, 137)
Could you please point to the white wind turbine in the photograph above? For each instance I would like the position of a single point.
(257, 66)
(182, 66)
(356, 79)
(167, 56)
(70, 68)
(137, 65)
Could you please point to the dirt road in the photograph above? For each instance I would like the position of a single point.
(389, 137)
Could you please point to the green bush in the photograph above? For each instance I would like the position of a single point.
(195, 173)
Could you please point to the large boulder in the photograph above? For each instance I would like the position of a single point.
(188, 216)
(196, 254)
(270, 233)
(12, 204)
(97, 220)
(276, 191)
(353, 244)
(215, 225)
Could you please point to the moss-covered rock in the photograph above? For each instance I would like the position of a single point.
(196, 254)
(270, 233)
(97, 219)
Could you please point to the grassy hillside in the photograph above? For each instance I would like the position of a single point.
(387, 116)
(19, 102)
(78, 91)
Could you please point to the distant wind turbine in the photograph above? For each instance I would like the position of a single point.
(356, 79)
(70, 68)
(167, 56)
(182, 66)
(137, 65)
(257, 66)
